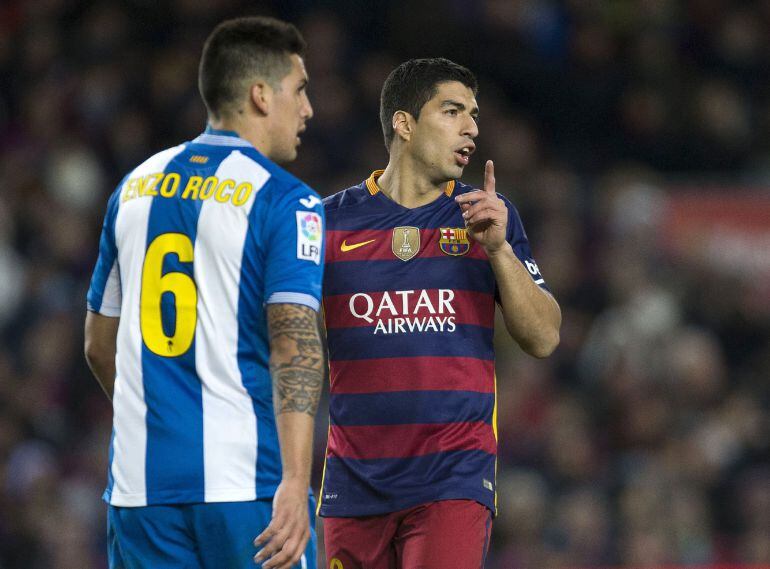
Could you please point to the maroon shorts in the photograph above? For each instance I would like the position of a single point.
(437, 535)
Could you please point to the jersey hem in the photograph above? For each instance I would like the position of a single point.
(104, 310)
(181, 497)
(331, 511)
(294, 298)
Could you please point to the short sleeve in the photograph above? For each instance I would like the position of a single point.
(517, 237)
(104, 295)
(294, 238)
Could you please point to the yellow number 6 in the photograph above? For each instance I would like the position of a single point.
(335, 564)
(155, 283)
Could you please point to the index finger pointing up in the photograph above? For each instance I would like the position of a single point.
(489, 177)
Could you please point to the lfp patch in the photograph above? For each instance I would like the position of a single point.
(309, 236)
(454, 241)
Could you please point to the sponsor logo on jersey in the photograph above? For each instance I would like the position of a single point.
(199, 159)
(309, 202)
(309, 236)
(345, 246)
(454, 241)
(534, 270)
(406, 311)
(405, 242)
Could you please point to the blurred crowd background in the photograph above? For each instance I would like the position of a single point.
(634, 137)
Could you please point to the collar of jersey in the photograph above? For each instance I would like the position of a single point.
(371, 184)
(217, 137)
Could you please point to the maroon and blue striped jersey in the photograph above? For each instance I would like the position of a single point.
(409, 303)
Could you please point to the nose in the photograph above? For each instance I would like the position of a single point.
(470, 128)
(307, 109)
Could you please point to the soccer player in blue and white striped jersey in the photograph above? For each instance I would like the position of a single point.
(202, 328)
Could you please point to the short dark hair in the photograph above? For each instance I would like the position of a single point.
(240, 50)
(415, 82)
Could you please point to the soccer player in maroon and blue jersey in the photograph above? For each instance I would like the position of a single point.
(415, 263)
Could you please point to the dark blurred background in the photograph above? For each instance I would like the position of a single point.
(634, 137)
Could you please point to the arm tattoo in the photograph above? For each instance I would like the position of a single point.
(296, 358)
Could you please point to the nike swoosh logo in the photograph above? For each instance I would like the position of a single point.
(344, 247)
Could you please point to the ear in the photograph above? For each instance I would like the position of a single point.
(261, 95)
(402, 125)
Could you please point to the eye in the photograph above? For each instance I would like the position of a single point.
(452, 112)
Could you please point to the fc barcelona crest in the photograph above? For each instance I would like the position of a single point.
(405, 242)
(454, 241)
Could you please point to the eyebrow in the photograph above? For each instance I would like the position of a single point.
(460, 106)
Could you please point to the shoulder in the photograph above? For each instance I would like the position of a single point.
(348, 197)
(254, 160)
(154, 165)
(157, 162)
(281, 185)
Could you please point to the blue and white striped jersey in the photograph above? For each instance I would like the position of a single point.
(196, 241)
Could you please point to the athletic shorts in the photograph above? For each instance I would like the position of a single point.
(448, 534)
(193, 536)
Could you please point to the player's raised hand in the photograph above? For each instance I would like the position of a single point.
(485, 214)
(285, 538)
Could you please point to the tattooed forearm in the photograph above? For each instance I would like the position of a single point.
(296, 358)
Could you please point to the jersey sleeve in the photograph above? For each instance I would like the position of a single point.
(294, 238)
(517, 237)
(104, 295)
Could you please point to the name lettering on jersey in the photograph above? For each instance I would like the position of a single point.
(309, 236)
(405, 242)
(454, 241)
(404, 311)
(197, 188)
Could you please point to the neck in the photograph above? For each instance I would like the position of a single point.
(250, 131)
(407, 183)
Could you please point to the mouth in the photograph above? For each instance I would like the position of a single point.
(463, 154)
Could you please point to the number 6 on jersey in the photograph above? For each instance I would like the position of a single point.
(182, 286)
